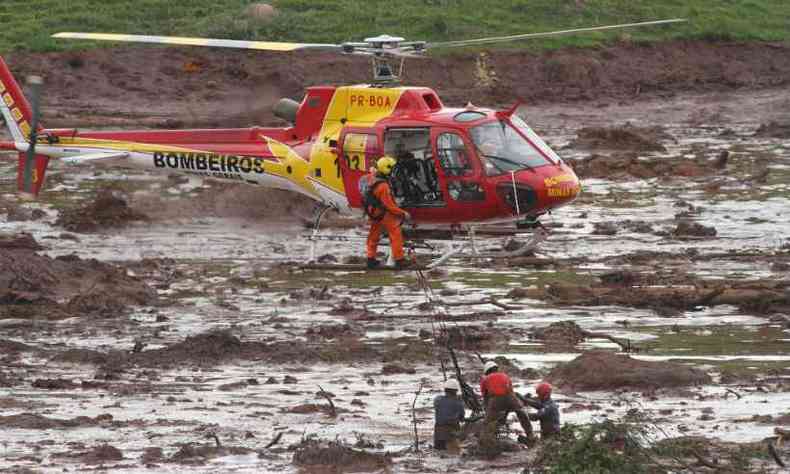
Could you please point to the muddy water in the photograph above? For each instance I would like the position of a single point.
(224, 274)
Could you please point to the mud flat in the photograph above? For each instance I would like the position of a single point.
(192, 341)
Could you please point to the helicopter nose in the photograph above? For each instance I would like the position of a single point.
(562, 187)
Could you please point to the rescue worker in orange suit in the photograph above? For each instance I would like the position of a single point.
(499, 400)
(384, 214)
(548, 412)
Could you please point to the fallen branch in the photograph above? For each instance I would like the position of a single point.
(275, 440)
(414, 418)
(729, 390)
(467, 393)
(783, 433)
(625, 345)
(332, 409)
(216, 439)
(775, 455)
(707, 299)
(705, 462)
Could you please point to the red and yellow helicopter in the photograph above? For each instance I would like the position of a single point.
(456, 166)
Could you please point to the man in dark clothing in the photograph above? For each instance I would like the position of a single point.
(499, 399)
(548, 412)
(449, 413)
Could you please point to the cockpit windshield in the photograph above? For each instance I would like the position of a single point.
(503, 149)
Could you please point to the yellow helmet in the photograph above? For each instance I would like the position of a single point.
(385, 165)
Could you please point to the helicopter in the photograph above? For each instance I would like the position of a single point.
(456, 167)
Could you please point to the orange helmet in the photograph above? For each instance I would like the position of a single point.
(543, 389)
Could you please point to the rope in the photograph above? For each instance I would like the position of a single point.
(467, 392)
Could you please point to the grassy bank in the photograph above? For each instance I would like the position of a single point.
(27, 24)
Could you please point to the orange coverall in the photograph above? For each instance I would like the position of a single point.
(389, 218)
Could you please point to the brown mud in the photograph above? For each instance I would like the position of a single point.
(605, 370)
(676, 293)
(334, 457)
(236, 88)
(34, 285)
(109, 210)
(240, 347)
(628, 138)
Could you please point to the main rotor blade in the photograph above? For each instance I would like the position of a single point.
(499, 39)
(188, 41)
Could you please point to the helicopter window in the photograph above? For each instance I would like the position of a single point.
(469, 116)
(414, 180)
(432, 101)
(453, 155)
(504, 150)
(360, 150)
(534, 138)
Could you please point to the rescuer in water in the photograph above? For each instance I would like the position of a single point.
(448, 414)
(548, 412)
(499, 399)
(384, 213)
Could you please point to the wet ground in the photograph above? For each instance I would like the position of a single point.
(634, 259)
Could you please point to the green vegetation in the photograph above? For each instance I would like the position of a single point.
(27, 24)
(715, 341)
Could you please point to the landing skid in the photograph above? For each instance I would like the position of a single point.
(468, 245)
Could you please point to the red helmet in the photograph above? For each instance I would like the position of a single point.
(543, 389)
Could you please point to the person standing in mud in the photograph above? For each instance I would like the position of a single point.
(384, 214)
(449, 412)
(548, 413)
(499, 399)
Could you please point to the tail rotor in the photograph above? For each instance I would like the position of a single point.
(28, 181)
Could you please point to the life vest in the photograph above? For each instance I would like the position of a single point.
(371, 204)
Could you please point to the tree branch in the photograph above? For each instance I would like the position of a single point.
(332, 410)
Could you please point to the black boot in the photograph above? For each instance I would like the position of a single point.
(373, 263)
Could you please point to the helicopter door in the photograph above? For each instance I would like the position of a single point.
(414, 180)
(458, 167)
(359, 151)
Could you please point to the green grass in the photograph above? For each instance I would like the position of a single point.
(27, 24)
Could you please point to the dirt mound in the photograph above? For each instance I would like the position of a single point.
(628, 138)
(693, 229)
(32, 421)
(335, 457)
(604, 370)
(471, 337)
(30, 282)
(107, 211)
(227, 200)
(203, 349)
(19, 241)
(102, 454)
(773, 130)
(198, 454)
(562, 334)
(630, 165)
(334, 331)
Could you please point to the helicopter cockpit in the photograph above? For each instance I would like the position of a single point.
(503, 149)
(427, 157)
(414, 180)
